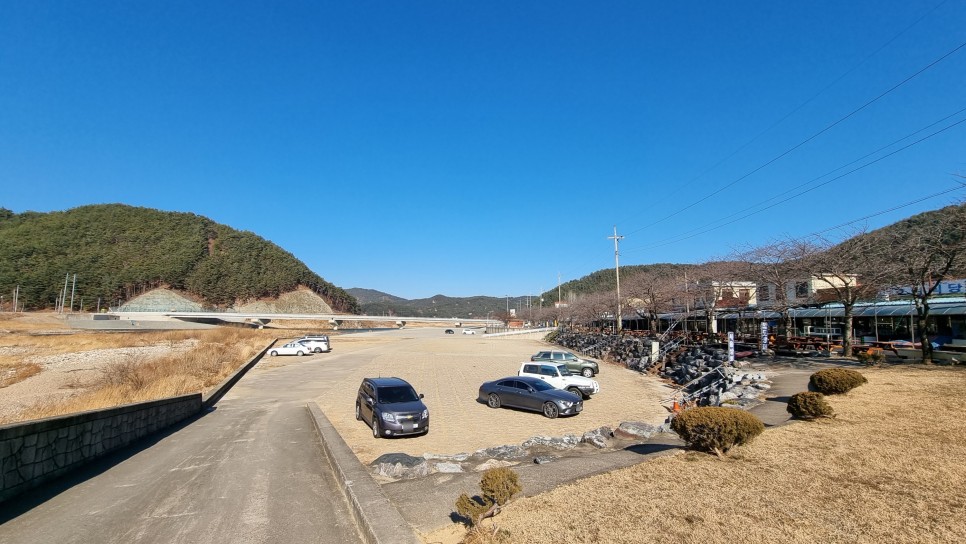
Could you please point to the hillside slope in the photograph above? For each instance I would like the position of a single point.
(119, 251)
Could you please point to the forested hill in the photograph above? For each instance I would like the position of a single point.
(120, 251)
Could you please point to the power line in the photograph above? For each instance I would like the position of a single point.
(711, 226)
(808, 101)
(809, 139)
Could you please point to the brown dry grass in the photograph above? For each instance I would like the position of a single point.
(217, 354)
(891, 467)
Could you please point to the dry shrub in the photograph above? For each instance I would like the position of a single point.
(835, 381)
(497, 487)
(15, 372)
(716, 430)
(809, 405)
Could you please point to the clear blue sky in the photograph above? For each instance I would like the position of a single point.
(483, 148)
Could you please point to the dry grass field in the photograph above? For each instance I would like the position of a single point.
(90, 370)
(891, 467)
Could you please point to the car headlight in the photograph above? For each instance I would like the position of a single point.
(425, 414)
(565, 404)
(386, 416)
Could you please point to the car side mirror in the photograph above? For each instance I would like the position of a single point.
(421, 395)
(369, 401)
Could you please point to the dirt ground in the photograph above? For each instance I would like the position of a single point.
(448, 370)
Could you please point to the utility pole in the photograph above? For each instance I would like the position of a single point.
(617, 270)
(558, 290)
(73, 287)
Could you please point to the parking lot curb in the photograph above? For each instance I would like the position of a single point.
(378, 519)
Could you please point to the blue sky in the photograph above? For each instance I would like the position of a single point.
(485, 148)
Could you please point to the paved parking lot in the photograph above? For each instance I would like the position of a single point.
(449, 369)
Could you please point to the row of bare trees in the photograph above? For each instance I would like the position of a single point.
(917, 253)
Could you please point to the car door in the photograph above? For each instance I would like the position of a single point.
(367, 401)
(528, 397)
(509, 391)
(549, 374)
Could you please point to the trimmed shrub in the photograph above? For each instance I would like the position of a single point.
(715, 429)
(835, 381)
(809, 405)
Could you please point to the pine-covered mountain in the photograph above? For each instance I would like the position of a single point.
(119, 251)
(480, 307)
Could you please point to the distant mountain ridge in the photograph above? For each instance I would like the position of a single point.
(119, 252)
(375, 302)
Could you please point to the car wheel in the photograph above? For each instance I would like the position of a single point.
(587, 373)
(299, 353)
(273, 353)
(317, 350)
(575, 391)
(375, 425)
(493, 401)
(550, 410)
(358, 414)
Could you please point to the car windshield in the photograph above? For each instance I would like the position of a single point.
(564, 371)
(542, 386)
(399, 393)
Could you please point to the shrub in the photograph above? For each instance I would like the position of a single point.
(834, 381)
(497, 486)
(809, 405)
(715, 429)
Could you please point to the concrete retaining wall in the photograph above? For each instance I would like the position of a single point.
(35, 452)
(38, 451)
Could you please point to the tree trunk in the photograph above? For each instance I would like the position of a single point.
(847, 333)
(924, 342)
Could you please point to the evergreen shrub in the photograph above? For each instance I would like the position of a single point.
(835, 381)
(715, 429)
(809, 405)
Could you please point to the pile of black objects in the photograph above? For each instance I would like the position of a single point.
(630, 351)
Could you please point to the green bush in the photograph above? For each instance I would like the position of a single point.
(497, 486)
(809, 405)
(715, 429)
(835, 381)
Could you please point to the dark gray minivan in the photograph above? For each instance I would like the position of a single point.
(391, 407)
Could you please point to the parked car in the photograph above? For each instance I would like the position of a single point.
(391, 407)
(530, 394)
(316, 345)
(469, 331)
(557, 375)
(585, 367)
(449, 331)
(292, 348)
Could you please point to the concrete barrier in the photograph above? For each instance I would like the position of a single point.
(212, 397)
(38, 451)
(378, 519)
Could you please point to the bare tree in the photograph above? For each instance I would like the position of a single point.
(922, 251)
(775, 266)
(651, 294)
(843, 268)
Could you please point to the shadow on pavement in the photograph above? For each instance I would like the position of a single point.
(24, 502)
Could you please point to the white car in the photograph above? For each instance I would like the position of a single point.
(315, 345)
(557, 375)
(292, 348)
(468, 331)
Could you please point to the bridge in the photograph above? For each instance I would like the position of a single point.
(145, 319)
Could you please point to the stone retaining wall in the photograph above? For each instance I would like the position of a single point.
(35, 452)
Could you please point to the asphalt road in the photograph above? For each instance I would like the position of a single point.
(249, 471)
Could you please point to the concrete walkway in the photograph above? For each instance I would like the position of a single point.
(428, 503)
(252, 470)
